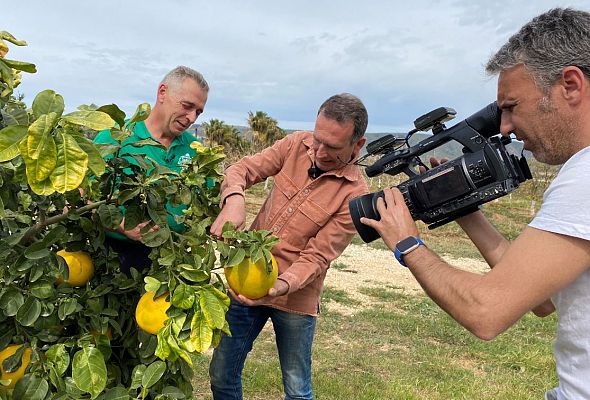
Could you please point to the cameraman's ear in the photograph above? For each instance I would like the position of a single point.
(574, 85)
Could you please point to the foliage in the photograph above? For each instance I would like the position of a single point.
(219, 133)
(58, 192)
(265, 129)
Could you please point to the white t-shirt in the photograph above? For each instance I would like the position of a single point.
(566, 210)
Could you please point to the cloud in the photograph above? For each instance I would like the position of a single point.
(283, 58)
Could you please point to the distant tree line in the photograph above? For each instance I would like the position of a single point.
(263, 132)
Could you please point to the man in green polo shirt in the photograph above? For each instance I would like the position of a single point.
(180, 99)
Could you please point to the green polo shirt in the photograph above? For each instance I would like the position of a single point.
(179, 154)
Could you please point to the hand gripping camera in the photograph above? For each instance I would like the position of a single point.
(456, 188)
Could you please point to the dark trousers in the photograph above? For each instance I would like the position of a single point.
(131, 254)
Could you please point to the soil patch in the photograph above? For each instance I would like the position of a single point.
(361, 266)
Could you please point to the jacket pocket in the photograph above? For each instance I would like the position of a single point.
(306, 223)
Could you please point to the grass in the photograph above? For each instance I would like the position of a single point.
(405, 347)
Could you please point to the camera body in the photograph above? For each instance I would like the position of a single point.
(484, 172)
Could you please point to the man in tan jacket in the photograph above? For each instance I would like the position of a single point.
(314, 179)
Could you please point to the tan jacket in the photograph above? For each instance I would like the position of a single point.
(310, 217)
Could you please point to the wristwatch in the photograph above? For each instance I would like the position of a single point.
(406, 246)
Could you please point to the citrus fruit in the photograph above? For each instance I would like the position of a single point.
(15, 375)
(251, 279)
(150, 314)
(80, 267)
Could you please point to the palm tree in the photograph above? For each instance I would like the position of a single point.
(264, 129)
(220, 133)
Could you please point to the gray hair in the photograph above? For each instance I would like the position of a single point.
(546, 45)
(345, 107)
(175, 78)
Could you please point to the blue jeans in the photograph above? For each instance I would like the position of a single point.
(294, 337)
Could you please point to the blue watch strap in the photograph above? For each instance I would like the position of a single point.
(398, 253)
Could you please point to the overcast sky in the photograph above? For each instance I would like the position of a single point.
(402, 58)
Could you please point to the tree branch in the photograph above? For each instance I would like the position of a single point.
(35, 229)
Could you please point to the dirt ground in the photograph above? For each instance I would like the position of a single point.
(361, 266)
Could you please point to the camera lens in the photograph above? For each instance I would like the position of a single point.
(365, 206)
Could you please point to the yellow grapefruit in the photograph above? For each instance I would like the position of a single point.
(15, 375)
(251, 279)
(150, 314)
(80, 267)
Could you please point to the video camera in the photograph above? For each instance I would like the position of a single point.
(450, 190)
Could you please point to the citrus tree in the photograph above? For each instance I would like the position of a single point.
(72, 324)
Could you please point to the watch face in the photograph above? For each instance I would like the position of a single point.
(408, 244)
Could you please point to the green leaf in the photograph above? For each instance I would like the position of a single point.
(44, 188)
(162, 350)
(137, 375)
(30, 387)
(201, 332)
(212, 307)
(147, 142)
(36, 251)
(42, 290)
(96, 120)
(110, 216)
(141, 113)
(67, 307)
(127, 194)
(153, 373)
(37, 272)
(21, 66)
(15, 116)
(54, 235)
(39, 169)
(11, 301)
(56, 380)
(151, 284)
(156, 238)
(46, 102)
(117, 393)
(194, 275)
(58, 355)
(10, 137)
(133, 216)
(96, 161)
(72, 164)
(9, 37)
(89, 371)
(39, 138)
(173, 392)
(114, 112)
(236, 256)
(29, 312)
(183, 297)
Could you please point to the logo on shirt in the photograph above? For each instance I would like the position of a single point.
(184, 160)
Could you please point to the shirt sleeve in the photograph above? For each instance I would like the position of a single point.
(254, 169)
(563, 210)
